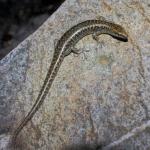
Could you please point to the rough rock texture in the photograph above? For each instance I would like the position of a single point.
(101, 99)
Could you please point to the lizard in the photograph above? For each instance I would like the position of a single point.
(65, 46)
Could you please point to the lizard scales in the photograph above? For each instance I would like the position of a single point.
(65, 46)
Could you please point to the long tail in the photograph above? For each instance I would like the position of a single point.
(54, 67)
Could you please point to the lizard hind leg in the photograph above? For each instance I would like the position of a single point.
(76, 50)
(79, 51)
(55, 42)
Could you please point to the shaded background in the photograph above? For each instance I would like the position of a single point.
(20, 18)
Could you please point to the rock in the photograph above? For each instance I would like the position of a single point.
(101, 100)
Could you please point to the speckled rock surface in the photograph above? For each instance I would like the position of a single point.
(102, 99)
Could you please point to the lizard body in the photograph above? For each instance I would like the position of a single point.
(65, 46)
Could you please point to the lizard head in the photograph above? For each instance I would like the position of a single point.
(119, 32)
